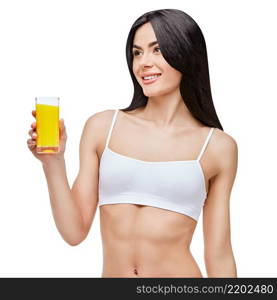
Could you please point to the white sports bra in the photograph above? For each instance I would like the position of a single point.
(177, 186)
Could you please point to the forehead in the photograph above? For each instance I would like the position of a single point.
(144, 34)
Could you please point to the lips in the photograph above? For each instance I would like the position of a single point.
(149, 81)
(149, 74)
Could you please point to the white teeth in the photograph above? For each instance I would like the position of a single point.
(151, 77)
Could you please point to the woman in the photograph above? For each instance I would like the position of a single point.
(152, 166)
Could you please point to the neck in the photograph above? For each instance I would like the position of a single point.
(169, 111)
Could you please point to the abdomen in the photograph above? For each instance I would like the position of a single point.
(143, 241)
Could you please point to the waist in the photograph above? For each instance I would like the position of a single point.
(144, 257)
(146, 260)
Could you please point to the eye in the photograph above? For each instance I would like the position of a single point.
(135, 53)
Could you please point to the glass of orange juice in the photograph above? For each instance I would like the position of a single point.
(47, 119)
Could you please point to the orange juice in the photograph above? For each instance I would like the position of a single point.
(47, 118)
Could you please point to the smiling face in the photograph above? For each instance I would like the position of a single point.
(148, 61)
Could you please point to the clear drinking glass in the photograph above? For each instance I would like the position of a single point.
(47, 119)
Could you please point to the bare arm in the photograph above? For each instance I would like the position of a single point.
(73, 209)
(219, 258)
(65, 208)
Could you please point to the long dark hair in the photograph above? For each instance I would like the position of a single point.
(183, 46)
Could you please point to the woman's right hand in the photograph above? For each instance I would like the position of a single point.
(43, 157)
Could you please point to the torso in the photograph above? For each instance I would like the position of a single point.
(144, 241)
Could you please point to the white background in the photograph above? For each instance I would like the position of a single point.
(76, 50)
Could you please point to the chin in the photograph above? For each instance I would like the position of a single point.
(154, 93)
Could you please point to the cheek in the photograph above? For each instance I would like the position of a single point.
(172, 76)
(135, 65)
(135, 71)
(170, 73)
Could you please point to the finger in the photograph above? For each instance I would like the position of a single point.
(62, 123)
(32, 134)
(62, 126)
(34, 113)
(32, 131)
(34, 125)
(31, 143)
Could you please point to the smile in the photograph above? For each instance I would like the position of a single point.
(150, 79)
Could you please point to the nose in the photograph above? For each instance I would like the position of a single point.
(145, 61)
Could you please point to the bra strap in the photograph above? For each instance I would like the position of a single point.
(205, 144)
(111, 128)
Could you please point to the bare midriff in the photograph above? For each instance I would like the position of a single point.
(145, 241)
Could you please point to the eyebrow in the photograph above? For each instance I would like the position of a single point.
(149, 45)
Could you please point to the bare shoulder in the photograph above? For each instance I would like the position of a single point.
(95, 128)
(225, 149)
(223, 140)
(100, 118)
